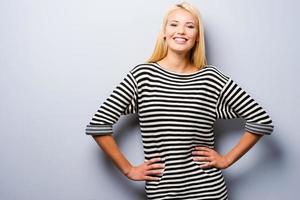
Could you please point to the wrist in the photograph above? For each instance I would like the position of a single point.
(228, 160)
(126, 170)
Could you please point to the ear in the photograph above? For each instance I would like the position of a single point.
(164, 34)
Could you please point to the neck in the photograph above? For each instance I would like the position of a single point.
(178, 62)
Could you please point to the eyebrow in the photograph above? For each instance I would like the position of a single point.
(186, 22)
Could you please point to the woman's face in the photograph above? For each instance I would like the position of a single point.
(181, 31)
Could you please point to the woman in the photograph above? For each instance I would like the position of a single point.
(178, 97)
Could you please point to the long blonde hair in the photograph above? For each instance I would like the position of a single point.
(197, 54)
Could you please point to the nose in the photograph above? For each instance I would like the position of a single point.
(180, 30)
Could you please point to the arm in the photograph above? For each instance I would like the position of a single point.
(122, 101)
(108, 144)
(139, 173)
(244, 145)
(234, 102)
(213, 158)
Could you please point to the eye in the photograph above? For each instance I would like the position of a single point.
(173, 24)
(191, 27)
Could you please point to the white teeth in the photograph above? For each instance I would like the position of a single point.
(180, 39)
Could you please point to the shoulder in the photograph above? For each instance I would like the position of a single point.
(216, 72)
(215, 69)
(142, 68)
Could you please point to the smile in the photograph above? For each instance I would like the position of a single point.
(180, 40)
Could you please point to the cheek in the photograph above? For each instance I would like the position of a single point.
(169, 32)
(169, 36)
(193, 35)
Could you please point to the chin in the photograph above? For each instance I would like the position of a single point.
(180, 50)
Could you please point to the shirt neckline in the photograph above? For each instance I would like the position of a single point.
(176, 73)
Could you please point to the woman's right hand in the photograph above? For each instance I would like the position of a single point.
(145, 171)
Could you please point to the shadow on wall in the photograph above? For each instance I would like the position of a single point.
(271, 156)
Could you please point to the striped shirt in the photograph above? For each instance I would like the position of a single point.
(176, 113)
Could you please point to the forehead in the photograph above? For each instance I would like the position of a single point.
(181, 15)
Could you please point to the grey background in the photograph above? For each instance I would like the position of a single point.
(60, 59)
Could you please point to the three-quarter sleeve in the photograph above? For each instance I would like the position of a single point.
(234, 102)
(122, 101)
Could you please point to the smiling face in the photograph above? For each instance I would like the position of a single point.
(181, 31)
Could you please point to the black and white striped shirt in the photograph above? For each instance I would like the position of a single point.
(176, 113)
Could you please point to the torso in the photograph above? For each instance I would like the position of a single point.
(177, 113)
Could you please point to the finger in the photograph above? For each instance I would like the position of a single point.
(201, 153)
(151, 178)
(154, 172)
(197, 158)
(156, 166)
(153, 160)
(206, 165)
(202, 148)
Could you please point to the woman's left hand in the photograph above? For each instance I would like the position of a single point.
(211, 157)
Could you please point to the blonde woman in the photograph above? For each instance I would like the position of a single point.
(178, 97)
